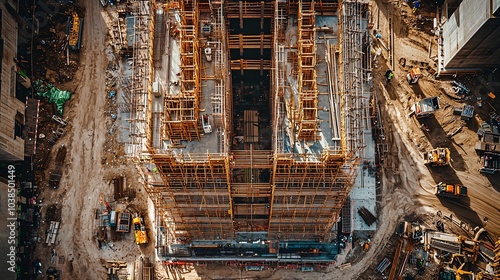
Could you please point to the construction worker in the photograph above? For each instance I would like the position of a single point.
(416, 5)
(389, 75)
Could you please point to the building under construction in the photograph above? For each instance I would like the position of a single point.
(247, 121)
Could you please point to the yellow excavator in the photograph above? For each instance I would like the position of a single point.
(75, 25)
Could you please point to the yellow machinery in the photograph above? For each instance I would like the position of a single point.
(75, 24)
(414, 75)
(141, 236)
(437, 157)
(450, 190)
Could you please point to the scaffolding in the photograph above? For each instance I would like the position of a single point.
(307, 88)
(351, 74)
(217, 195)
(182, 110)
(198, 190)
(141, 77)
(278, 85)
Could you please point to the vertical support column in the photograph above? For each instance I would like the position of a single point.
(241, 14)
(241, 44)
(262, 9)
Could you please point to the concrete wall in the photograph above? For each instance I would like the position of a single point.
(471, 36)
(496, 7)
(11, 148)
(450, 6)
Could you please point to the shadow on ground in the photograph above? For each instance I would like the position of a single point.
(436, 135)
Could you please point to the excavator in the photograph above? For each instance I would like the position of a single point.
(459, 273)
(75, 26)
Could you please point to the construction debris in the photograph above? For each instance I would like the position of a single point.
(459, 88)
(52, 233)
(56, 173)
(367, 216)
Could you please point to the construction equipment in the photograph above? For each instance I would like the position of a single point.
(75, 26)
(106, 207)
(425, 107)
(208, 53)
(141, 236)
(459, 274)
(367, 245)
(123, 224)
(53, 274)
(437, 157)
(395, 261)
(414, 75)
(450, 190)
(207, 127)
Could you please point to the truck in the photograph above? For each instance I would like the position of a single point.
(414, 75)
(425, 107)
(141, 236)
(437, 157)
(55, 174)
(450, 190)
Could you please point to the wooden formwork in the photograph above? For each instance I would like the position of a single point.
(308, 194)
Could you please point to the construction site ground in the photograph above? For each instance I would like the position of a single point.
(94, 158)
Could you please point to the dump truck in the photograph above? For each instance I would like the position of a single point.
(425, 107)
(450, 190)
(141, 236)
(414, 75)
(437, 157)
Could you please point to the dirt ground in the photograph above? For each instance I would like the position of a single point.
(94, 158)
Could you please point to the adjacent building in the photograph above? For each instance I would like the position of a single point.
(471, 35)
(12, 109)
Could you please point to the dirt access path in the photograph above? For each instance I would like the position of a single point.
(418, 182)
(84, 180)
